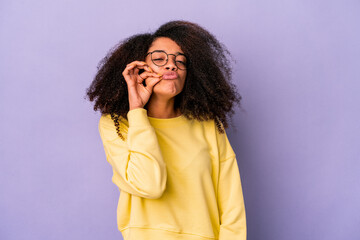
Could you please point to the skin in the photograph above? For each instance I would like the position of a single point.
(159, 93)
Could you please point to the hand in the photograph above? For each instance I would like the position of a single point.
(139, 95)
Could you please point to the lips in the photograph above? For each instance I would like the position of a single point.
(170, 75)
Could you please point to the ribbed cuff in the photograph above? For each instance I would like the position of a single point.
(138, 117)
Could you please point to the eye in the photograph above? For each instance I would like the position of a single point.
(181, 58)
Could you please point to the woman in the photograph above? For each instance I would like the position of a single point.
(165, 99)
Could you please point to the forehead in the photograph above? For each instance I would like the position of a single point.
(166, 44)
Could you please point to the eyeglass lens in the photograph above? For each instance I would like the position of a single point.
(160, 58)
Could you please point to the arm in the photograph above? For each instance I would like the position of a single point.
(230, 195)
(231, 203)
(137, 162)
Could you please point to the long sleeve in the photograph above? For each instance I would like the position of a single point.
(137, 162)
(231, 203)
(230, 196)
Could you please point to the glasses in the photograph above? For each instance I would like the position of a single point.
(160, 58)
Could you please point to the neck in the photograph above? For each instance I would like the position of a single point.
(162, 108)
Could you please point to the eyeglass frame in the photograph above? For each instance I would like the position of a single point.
(167, 58)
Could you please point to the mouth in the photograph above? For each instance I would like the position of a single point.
(170, 75)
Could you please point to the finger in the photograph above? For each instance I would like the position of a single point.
(137, 63)
(128, 69)
(151, 82)
(131, 70)
(136, 71)
(133, 64)
(147, 68)
(146, 75)
(140, 79)
(149, 74)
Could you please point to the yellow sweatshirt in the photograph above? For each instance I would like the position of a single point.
(178, 179)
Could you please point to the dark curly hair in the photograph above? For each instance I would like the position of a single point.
(208, 93)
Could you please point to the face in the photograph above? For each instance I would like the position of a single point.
(173, 77)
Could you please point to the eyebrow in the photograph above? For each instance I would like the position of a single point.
(178, 53)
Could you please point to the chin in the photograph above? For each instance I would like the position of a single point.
(169, 90)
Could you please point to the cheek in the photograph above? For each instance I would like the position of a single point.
(155, 68)
(183, 80)
(183, 77)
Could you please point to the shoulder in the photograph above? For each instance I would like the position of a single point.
(223, 143)
(105, 120)
(218, 140)
(107, 127)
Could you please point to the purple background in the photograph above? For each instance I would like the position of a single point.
(297, 138)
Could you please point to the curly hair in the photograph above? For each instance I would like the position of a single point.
(208, 93)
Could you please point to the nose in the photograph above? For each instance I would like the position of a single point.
(171, 64)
